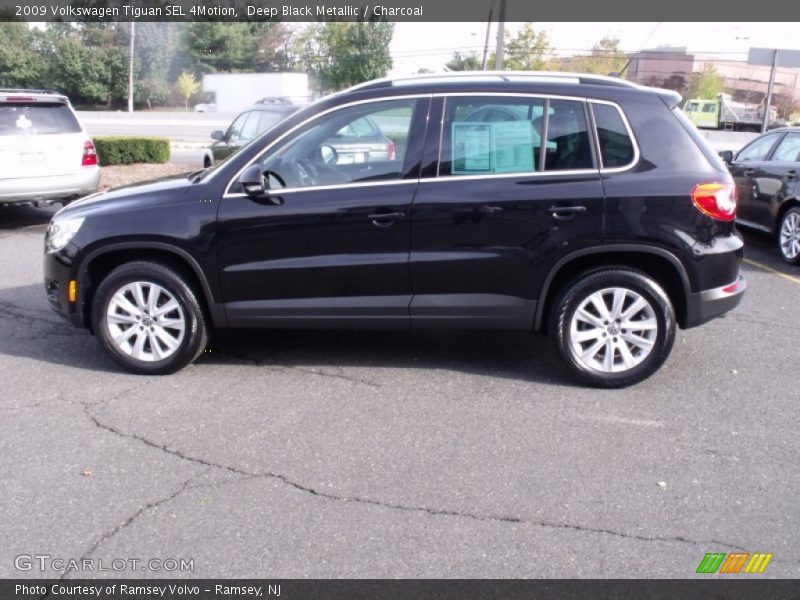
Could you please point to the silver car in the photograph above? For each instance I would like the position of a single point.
(46, 156)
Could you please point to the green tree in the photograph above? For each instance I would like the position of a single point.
(605, 58)
(707, 83)
(341, 54)
(528, 50)
(187, 86)
(21, 63)
(464, 62)
(221, 47)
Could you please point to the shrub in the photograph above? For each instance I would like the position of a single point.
(127, 150)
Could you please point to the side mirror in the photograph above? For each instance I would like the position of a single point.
(253, 182)
(726, 156)
(218, 134)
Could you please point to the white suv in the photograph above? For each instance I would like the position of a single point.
(46, 155)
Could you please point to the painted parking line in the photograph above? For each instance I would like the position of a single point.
(755, 263)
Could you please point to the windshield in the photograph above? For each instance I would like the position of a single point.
(36, 118)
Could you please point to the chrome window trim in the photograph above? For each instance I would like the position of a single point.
(228, 194)
(634, 141)
(535, 174)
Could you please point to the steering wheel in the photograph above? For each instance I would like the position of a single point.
(305, 172)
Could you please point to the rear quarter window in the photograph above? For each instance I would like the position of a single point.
(36, 118)
(616, 145)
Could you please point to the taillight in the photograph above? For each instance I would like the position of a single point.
(390, 149)
(717, 200)
(89, 154)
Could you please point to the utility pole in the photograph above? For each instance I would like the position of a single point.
(765, 123)
(130, 68)
(498, 59)
(486, 41)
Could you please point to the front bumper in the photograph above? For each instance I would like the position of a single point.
(709, 304)
(57, 275)
(34, 190)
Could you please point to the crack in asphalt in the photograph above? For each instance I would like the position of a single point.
(406, 508)
(186, 485)
(270, 363)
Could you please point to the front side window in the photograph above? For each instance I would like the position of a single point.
(493, 135)
(789, 149)
(709, 108)
(616, 146)
(355, 144)
(235, 130)
(759, 149)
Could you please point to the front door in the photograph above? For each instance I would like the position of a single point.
(744, 170)
(329, 244)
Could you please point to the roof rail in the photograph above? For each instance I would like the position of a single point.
(532, 76)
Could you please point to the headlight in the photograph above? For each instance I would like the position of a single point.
(60, 232)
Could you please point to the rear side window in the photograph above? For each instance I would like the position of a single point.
(498, 135)
(789, 149)
(759, 149)
(37, 118)
(616, 146)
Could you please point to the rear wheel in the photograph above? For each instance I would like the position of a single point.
(613, 327)
(789, 236)
(148, 318)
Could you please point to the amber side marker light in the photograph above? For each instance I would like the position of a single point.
(72, 291)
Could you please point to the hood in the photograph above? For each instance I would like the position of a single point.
(169, 188)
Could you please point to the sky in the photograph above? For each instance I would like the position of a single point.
(431, 45)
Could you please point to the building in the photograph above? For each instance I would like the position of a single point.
(666, 67)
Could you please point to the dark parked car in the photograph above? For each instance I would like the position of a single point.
(246, 126)
(608, 223)
(766, 175)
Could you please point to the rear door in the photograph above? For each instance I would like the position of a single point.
(39, 139)
(512, 187)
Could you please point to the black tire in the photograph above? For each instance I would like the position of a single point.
(789, 218)
(635, 284)
(194, 335)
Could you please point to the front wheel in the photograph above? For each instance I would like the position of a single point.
(148, 318)
(613, 327)
(789, 236)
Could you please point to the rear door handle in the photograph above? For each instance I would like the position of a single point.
(385, 219)
(565, 212)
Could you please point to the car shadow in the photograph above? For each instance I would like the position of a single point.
(762, 247)
(15, 216)
(30, 329)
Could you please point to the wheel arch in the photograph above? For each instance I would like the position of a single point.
(101, 261)
(784, 207)
(663, 266)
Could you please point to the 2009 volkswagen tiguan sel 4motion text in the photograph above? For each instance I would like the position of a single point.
(584, 206)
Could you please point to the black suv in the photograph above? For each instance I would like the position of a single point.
(589, 208)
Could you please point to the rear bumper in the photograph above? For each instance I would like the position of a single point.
(709, 304)
(50, 189)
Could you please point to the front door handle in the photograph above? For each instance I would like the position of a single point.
(385, 219)
(791, 174)
(565, 212)
(749, 172)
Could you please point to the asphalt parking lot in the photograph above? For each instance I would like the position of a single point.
(343, 454)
